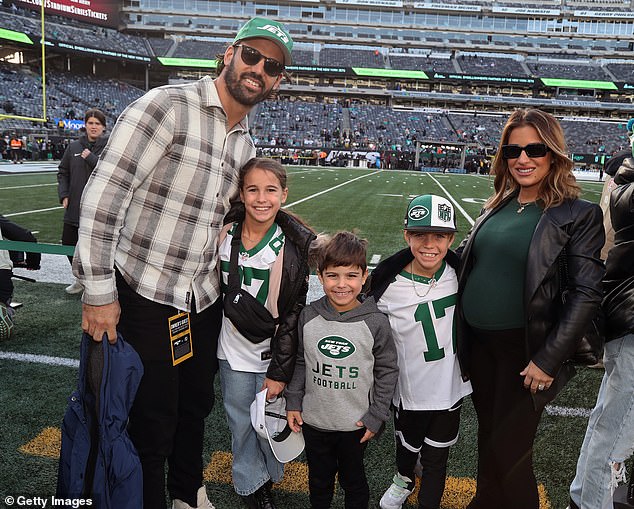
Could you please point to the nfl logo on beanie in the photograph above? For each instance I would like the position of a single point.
(430, 213)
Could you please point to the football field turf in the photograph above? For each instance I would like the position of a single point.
(38, 365)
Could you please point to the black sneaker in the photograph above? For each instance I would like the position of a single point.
(265, 497)
(251, 501)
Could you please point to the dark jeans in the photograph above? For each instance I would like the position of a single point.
(507, 422)
(70, 236)
(332, 452)
(168, 414)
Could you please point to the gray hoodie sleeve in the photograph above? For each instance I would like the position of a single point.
(385, 374)
(295, 389)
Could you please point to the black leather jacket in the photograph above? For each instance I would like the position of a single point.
(618, 301)
(552, 328)
(293, 290)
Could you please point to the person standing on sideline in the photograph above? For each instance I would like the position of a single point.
(147, 252)
(76, 165)
(514, 343)
(609, 438)
(417, 289)
(344, 378)
(267, 249)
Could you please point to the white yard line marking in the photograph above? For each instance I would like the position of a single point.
(329, 189)
(40, 359)
(32, 211)
(24, 187)
(376, 258)
(453, 200)
(563, 411)
(555, 410)
(391, 195)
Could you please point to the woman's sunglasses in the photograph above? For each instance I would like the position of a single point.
(251, 56)
(532, 150)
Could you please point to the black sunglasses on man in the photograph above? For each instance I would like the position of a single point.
(251, 56)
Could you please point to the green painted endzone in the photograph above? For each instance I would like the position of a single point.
(564, 83)
(36, 247)
(188, 62)
(11, 35)
(390, 73)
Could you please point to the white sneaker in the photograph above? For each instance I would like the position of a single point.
(75, 288)
(202, 502)
(397, 493)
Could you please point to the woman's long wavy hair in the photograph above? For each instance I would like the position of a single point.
(559, 183)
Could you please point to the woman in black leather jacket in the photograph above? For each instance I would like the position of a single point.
(515, 331)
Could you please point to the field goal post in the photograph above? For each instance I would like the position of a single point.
(43, 118)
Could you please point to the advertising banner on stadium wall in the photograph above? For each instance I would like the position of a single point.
(98, 12)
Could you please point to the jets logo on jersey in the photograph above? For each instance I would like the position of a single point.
(444, 212)
(419, 212)
(335, 347)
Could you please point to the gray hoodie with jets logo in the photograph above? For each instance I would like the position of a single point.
(346, 368)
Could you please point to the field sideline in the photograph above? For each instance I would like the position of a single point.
(33, 390)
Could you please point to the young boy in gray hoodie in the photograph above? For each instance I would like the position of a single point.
(344, 378)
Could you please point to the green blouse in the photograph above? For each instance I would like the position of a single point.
(493, 297)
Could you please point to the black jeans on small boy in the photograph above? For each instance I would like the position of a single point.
(332, 452)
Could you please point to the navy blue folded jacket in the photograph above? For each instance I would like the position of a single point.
(97, 458)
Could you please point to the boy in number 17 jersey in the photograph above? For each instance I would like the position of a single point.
(417, 289)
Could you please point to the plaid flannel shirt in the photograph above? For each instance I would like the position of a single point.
(155, 203)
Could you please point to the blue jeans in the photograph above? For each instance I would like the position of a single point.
(609, 439)
(253, 460)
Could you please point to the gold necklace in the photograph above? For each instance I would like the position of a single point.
(523, 205)
(432, 282)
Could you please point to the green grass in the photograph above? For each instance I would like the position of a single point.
(33, 396)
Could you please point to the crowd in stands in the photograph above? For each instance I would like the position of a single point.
(490, 66)
(68, 96)
(64, 30)
(569, 70)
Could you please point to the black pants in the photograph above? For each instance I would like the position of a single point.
(168, 414)
(332, 452)
(70, 236)
(507, 422)
(429, 434)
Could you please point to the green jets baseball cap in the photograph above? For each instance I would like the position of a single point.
(263, 28)
(430, 213)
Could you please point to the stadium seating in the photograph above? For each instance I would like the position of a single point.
(347, 57)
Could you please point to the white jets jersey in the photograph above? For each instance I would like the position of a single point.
(254, 267)
(421, 314)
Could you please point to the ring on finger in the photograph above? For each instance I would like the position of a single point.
(540, 387)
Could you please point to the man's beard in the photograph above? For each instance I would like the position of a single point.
(238, 91)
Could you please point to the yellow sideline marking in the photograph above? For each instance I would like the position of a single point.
(46, 444)
(458, 490)
(295, 473)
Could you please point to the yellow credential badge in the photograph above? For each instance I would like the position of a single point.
(180, 338)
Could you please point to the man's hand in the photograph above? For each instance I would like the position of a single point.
(85, 153)
(65, 202)
(97, 320)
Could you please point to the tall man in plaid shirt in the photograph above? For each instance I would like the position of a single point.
(150, 216)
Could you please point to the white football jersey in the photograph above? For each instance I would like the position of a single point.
(421, 314)
(254, 266)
